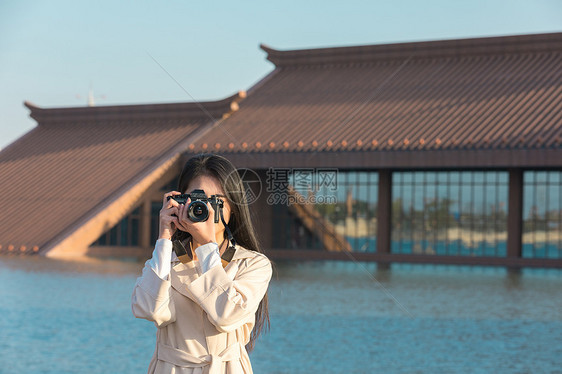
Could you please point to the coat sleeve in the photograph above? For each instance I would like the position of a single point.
(152, 299)
(228, 303)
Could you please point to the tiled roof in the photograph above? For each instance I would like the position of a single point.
(501, 93)
(78, 159)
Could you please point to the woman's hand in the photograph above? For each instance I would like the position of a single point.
(168, 216)
(202, 232)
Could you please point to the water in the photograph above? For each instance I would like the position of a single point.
(327, 317)
(457, 247)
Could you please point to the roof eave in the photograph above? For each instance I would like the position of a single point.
(138, 112)
(414, 50)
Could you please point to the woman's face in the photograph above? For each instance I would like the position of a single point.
(211, 186)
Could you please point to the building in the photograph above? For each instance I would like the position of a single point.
(438, 152)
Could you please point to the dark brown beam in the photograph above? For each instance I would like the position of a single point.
(261, 211)
(515, 213)
(387, 258)
(144, 232)
(384, 202)
(436, 159)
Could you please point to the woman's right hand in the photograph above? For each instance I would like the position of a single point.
(168, 216)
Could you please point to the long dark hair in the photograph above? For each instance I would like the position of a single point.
(240, 223)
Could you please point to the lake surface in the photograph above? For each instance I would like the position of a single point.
(327, 317)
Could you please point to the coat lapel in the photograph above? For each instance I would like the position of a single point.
(182, 274)
(242, 253)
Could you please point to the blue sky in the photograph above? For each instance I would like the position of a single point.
(51, 51)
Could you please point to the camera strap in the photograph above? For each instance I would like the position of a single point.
(182, 251)
(229, 252)
(228, 232)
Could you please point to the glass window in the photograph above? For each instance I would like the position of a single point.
(454, 177)
(542, 214)
(407, 177)
(113, 235)
(154, 221)
(125, 233)
(450, 213)
(135, 232)
(339, 216)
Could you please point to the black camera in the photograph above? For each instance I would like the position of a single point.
(197, 210)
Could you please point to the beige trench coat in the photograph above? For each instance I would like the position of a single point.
(204, 321)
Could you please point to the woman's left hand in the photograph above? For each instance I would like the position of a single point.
(202, 232)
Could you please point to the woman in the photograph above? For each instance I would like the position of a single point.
(207, 311)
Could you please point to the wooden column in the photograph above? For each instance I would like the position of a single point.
(144, 232)
(262, 212)
(383, 214)
(515, 213)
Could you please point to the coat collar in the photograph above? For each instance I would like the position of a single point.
(242, 253)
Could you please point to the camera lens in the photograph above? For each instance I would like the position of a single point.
(197, 211)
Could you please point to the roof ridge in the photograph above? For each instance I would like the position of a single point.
(137, 112)
(416, 50)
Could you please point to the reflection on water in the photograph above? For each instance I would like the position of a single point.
(327, 317)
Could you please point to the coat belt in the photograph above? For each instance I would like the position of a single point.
(183, 359)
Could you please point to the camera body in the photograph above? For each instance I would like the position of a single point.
(197, 210)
